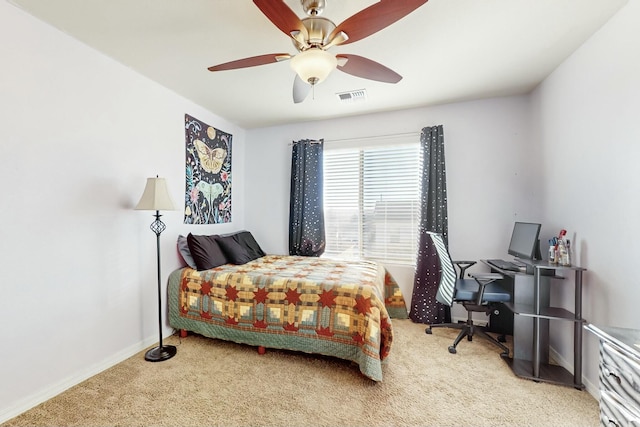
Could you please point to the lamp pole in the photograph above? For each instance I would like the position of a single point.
(161, 352)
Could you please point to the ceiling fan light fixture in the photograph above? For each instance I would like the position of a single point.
(313, 65)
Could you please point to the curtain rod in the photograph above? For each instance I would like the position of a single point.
(393, 135)
(313, 141)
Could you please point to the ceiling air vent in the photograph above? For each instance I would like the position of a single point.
(352, 96)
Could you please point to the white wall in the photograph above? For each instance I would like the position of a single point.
(79, 135)
(586, 120)
(491, 168)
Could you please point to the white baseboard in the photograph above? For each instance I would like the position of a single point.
(55, 389)
(592, 389)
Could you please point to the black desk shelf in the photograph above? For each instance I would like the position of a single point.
(552, 313)
(547, 372)
(533, 312)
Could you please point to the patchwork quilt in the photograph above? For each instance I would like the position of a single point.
(315, 305)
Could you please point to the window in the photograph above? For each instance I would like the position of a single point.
(372, 202)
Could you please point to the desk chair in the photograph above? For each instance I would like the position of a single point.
(479, 294)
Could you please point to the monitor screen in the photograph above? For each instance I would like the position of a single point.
(524, 240)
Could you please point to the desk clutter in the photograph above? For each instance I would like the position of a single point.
(560, 249)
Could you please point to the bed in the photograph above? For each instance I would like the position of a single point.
(313, 305)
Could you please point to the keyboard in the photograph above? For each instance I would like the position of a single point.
(504, 265)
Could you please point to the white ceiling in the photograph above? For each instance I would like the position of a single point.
(447, 50)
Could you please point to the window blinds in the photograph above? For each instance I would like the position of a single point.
(372, 202)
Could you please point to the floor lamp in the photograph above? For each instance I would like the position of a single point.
(156, 198)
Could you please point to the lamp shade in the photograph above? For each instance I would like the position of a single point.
(155, 196)
(313, 65)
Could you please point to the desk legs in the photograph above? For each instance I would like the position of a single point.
(535, 359)
(577, 332)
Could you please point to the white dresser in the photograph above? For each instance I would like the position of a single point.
(619, 375)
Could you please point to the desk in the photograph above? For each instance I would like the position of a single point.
(521, 286)
(532, 310)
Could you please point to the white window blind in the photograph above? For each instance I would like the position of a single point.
(372, 202)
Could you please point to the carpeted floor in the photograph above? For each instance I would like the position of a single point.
(217, 383)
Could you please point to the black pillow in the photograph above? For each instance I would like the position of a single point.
(246, 240)
(205, 251)
(233, 251)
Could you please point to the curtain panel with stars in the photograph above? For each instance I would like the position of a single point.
(306, 216)
(433, 217)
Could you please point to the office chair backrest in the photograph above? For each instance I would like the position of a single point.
(447, 286)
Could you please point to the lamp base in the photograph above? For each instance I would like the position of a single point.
(158, 354)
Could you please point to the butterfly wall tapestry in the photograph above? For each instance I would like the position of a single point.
(208, 174)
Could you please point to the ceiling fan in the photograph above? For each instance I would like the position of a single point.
(314, 35)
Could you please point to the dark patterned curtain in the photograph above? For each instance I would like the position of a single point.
(306, 216)
(433, 217)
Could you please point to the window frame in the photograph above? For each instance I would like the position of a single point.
(362, 145)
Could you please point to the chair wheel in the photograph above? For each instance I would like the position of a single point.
(428, 330)
(452, 350)
(469, 338)
(502, 338)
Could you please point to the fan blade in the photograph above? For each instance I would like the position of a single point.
(362, 67)
(375, 18)
(281, 16)
(251, 62)
(300, 90)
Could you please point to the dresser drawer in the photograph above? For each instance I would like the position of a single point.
(620, 373)
(615, 413)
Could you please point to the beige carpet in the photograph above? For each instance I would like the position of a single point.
(217, 383)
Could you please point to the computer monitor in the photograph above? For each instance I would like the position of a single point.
(524, 240)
